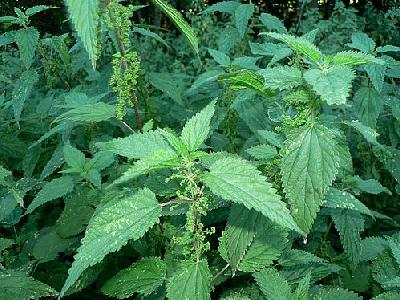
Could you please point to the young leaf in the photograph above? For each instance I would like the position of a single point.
(74, 158)
(220, 57)
(142, 277)
(177, 18)
(123, 218)
(16, 285)
(354, 58)
(299, 45)
(190, 282)
(368, 105)
(36, 9)
(361, 41)
(349, 225)
(27, 40)
(236, 180)
(22, 89)
(223, 6)
(333, 85)
(282, 77)
(309, 165)
(272, 284)
(344, 200)
(197, 128)
(54, 189)
(376, 74)
(272, 23)
(243, 15)
(262, 152)
(85, 17)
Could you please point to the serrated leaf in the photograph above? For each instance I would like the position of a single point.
(223, 6)
(125, 217)
(22, 90)
(142, 277)
(52, 190)
(137, 145)
(353, 58)
(262, 152)
(368, 105)
(27, 40)
(16, 285)
(349, 224)
(73, 157)
(94, 112)
(148, 33)
(387, 296)
(237, 180)
(299, 45)
(84, 16)
(36, 9)
(196, 130)
(333, 85)
(243, 15)
(302, 290)
(309, 165)
(220, 57)
(371, 186)
(376, 74)
(294, 257)
(335, 293)
(344, 200)
(361, 41)
(367, 132)
(372, 247)
(7, 38)
(5, 243)
(282, 77)
(272, 284)
(272, 23)
(388, 48)
(178, 20)
(190, 282)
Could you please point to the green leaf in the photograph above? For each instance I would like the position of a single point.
(344, 200)
(371, 186)
(262, 152)
(309, 165)
(223, 6)
(272, 284)
(7, 38)
(74, 158)
(138, 145)
(349, 224)
(27, 40)
(142, 277)
(123, 218)
(16, 285)
(196, 130)
(272, 23)
(302, 290)
(367, 132)
(299, 45)
(354, 58)
(333, 85)
(4, 173)
(36, 9)
(368, 105)
(376, 74)
(282, 77)
(294, 257)
(5, 243)
(361, 41)
(335, 293)
(22, 90)
(54, 189)
(56, 160)
(388, 48)
(94, 112)
(236, 180)
(84, 16)
(177, 18)
(190, 282)
(243, 15)
(220, 57)
(151, 34)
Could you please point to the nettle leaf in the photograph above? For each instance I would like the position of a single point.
(334, 293)
(94, 112)
(272, 284)
(74, 158)
(302, 290)
(367, 132)
(368, 105)
(299, 45)
(344, 200)
(361, 41)
(22, 90)
(243, 15)
(387, 296)
(282, 77)
(137, 145)
(52, 190)
(371, 186)
(272, 23)
(354, 58)
(84, 16)
(349, 224)
(262, 152)
(309, 165)
(235, 179)
(333, 85)
(16, 285)
(196, 130)
(220, 57)
(125, 217)
(223, 6)
(142, 277)
(27, 40)
(36, 9)
(190, 282)
(376, 74)
(179, 21)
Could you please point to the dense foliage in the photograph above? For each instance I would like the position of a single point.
(232, 158)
